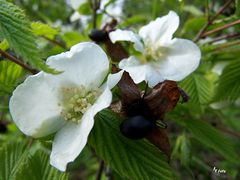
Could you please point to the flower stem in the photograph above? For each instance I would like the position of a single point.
(211, 20)
(18, 61)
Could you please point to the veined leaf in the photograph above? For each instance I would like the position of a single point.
(198, 88)
(41, 29)
(39, 169)
(12, 157)
(228, 85)
(16, 29)
(212, 138)
(182, 149)
(17, 163)
(130, 158)
(9, 73)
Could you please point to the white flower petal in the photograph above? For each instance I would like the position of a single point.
(34, 107)
(76, 3)
(124, 35)
(140, 72)
(71, 139)
(75, 16)
(161, 30)
(183, 57)
(85, 64)
(113, 79)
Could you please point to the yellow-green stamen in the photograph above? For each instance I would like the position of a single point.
(75, 101)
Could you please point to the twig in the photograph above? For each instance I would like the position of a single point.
(100, 170)
(210, 20)
(228, 131)
(55, 42)
(228, 36)
(95, 5)
(226, 45)
(18, 61)
(221, 28)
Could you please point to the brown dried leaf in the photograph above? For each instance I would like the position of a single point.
(128, 90)
(159, 138)
(163, 98)
(115, 51)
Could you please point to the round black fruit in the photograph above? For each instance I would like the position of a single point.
(98, 35)
(136, 127)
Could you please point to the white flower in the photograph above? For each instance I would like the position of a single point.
(114, 9)
(163, 57)
(65, 104)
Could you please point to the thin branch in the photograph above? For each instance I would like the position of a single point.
(210, 20)
(100, 170)
(226, 45)
(55, 42)
(228, 131)
(221, 28)
(95, 5)
(18, 61)
(228, 36)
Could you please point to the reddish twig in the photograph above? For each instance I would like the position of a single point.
(226, 45)
(55, 42)
(18, 61)
(211, 20)
(221, 28)
(228, 36)
(228, 131)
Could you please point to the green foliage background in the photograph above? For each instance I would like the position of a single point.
(204, 133)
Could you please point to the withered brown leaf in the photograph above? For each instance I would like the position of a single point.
(159, 138)
(163, 98)
(128, 89)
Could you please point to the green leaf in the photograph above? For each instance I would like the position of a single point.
(228, 85)
(192, 26)
(133, 159)
(9, 74)
(17, 163)
(39, 169)
(41, 29)
(85, 9)
(4, 45)
(182, 149)
(16, 29)
(237, 12)
(134, 20)
(72, 38)
(12, 157)
(193, 10)
(212, 138)
(199, 88)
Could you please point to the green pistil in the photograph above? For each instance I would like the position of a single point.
(151, 54)
(76, 101)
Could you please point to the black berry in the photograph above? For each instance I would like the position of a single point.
(98, 35)
(136, 127)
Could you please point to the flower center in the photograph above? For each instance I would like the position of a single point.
(75, 101)
(152, 53)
